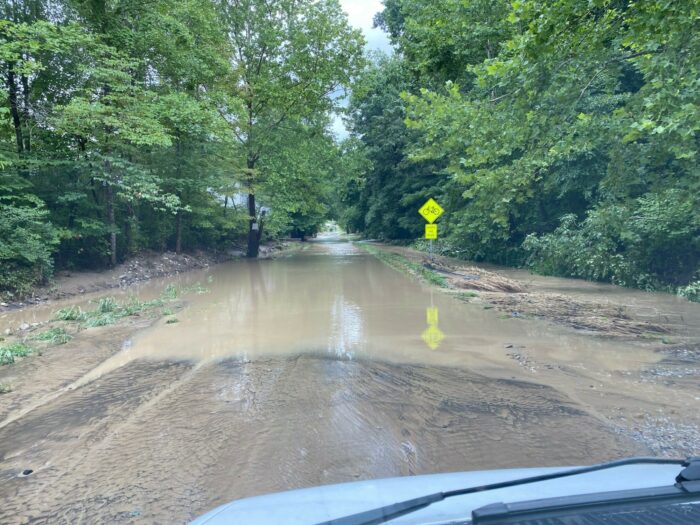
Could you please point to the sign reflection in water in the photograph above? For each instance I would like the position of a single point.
(432, 335)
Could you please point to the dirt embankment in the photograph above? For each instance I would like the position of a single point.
(138, 269)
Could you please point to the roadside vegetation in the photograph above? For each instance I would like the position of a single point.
(558, 135)
(67, 322)
(515, 300)
(406, 266)
(107, 312)
(54, 336)
(10, 351)
(166, 125)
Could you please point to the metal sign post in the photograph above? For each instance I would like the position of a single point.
(430, 211)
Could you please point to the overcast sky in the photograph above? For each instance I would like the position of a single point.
(360, 15)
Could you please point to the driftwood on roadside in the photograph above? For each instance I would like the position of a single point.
(473, 278)
(510, 296)
(610, 319)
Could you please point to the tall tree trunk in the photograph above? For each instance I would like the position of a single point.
(128, 236)
(14, 109)
(253, 237)
(178, 236)
(112, 226)
(253, 227)
(178, 216)
(25, 114)
(261, 225)
(129, 230)
(253, 231)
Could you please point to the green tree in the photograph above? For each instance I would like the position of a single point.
(289, 59)
(394, 188)
(587, 106)
(298, 178)
(27, 238)
(439, 39)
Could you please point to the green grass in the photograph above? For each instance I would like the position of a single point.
(108, 310)
(72, 313)
(171, 292)
(105, 311)
(55, 336)
(172, 320)
(5, 388)
(405, 265)
(9, 352)
(465, 296)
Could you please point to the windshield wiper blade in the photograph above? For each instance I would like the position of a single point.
(390, 512)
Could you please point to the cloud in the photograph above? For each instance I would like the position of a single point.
(361, 15)
(338, 128)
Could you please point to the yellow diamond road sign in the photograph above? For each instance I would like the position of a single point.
(431, 210)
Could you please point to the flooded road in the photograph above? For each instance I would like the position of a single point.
(322, 366)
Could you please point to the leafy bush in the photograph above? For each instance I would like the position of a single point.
(72, 313)
(591, 249)
(691, 292)
(9, 352)
(27, 240)
(652, 240)
(55, 336)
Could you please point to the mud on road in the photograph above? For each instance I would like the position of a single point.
(313, 369)
(154, 442)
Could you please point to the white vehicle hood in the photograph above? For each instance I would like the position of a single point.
(319, 504)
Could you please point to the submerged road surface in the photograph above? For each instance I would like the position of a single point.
(323, 366)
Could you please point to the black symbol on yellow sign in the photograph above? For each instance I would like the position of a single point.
(430, 211)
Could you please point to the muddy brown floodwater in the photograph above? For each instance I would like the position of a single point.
(322, 366)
